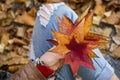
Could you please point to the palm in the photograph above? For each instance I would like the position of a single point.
(52, 60)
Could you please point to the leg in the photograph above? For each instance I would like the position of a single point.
(103, 68)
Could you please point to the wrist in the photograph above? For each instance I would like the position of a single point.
(43, 68)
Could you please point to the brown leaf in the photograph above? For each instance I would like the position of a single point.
(97, 20)
(6, 22)
(116, 39)
(99, 10)
(29, 33)
(19, 1)
(25, 19)
(5, 38)
(32, 12)
(83, 14)
(14, 68)
(64, 25)
(113, 46)
(116, 52)
(88, 23)
(113, 2)
(113, 19)
(18, 41)
(71, 5)
(4, 41)
(21, 31)
(3, 15)
(78, 1)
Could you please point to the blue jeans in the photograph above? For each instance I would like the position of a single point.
(39, 45)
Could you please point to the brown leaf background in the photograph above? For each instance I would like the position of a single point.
(16, 29)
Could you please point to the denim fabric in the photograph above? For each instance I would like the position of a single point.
(103, 69)
(41, 33)
(65, 73)
(41, 45)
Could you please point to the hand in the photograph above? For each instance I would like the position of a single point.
(52, 60)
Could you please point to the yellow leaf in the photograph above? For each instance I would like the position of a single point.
(83, 14)
(92, 55)
(78, 32)
(88, 23)
(61, 38)
(60, 49)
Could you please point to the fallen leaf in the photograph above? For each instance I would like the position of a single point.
(113, 19)
(99, 8)
(108, 13)
(14, 68)
(83, 15)
(116, 52)
(113, 2)
(113, 46)
(20, 1)
(4, 41)
(5, 38)
(65, 25)
(25, 19)
(116, 39)
(18, 41)
(97, 20)
(21, 31)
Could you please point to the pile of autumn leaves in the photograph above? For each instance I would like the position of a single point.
(75, 42)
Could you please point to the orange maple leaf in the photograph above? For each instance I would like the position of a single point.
(76, 42)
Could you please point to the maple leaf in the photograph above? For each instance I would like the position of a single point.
(76, 42)
(79, 55)
(65, 25)
(82, 15)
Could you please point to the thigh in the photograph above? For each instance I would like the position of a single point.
(102, 68)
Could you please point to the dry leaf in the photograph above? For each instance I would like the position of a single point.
(3, 15)
(116, 39)
(117, 28)
(25, 19)
(71, 5)
(108, 13)
(16, 61)
(78, 1)
(97, 20)
(32, 12)
(83, 14)
(99, 10)
(12, 59)
(116, 52)
(29, 33)
(113, 46)
(6, 22)
(4, 41)
(14, 68)
(18, 41)
(21, 31)
(98, 1)
(113, 19)
(19, 1)
(5, 38)
(113, 2)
